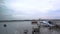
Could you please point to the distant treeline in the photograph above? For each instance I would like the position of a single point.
(29, 20)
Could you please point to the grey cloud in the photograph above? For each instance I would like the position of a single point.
(31, 10)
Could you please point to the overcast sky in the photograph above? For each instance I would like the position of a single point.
(29, 9)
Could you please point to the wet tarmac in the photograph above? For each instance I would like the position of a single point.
(19, 27)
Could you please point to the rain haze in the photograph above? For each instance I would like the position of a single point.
(29, 16)
(29, 9)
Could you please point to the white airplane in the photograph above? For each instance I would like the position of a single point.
(47, 23)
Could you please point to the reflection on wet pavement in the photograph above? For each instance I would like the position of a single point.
(26, 27)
